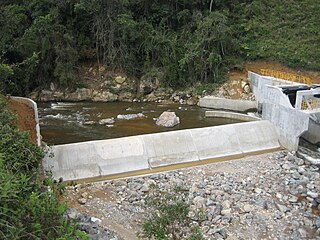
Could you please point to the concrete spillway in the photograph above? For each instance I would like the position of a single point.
(95, 159)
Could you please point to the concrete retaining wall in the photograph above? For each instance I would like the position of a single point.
(227, 104)
(33, 105)
(231, 115)
(114, 156)
(276, 107)
(258, 84)
(290, 124)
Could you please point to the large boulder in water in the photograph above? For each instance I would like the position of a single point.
(168, 119)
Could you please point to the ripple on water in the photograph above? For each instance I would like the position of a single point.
(65, 122)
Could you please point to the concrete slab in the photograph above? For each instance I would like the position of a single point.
(121, 155)
(214, 142)
(231, 115)
(256, 136)
(73, 161)
(169, 148)
(227, 104)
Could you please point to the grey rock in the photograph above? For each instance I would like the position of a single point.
(80, 94)
(226, 211)
(168, 119)
(120, 80)
(104, 96)
(293, 199)
(82, 201)
(258, 190)
(148, 84)
(145, 188)
(106, 121)
(130, 116)
(301, 169)
(209, 203)
(282, 208)
(302, 233)
(199, 201)
(217, 210)
(248, 208)
(316, 223)
(89, 123)
(312, 194)
(287, 166)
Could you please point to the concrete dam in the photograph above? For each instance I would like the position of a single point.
(151, 151)
(289, 111)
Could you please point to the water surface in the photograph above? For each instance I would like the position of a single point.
(65, 122)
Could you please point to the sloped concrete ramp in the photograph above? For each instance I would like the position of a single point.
(145, 152)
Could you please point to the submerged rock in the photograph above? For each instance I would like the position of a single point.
(168, 119)
(130, 116)
(106, 121)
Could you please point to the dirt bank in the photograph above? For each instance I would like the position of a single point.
(25, 118)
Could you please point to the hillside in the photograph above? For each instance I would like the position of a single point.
(181, 43)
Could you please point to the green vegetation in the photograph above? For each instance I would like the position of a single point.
(184, 42)
(169, 219)
(29, 206)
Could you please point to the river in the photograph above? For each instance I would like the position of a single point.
(65, 122)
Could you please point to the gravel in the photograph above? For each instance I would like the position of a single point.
(269, 196)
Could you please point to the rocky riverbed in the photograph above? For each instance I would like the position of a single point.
(268, 196)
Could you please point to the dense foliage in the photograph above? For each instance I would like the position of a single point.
(29, 206)
(181, 42)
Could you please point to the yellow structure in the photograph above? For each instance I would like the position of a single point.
(310, 104)
(287, 76)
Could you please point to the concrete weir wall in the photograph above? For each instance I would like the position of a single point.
(227, 104)
(115, 156)
(231, 115)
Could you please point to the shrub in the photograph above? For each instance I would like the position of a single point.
(29, 205)
(169, 219)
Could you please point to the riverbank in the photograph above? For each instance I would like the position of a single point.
(269, 196)
(98, 84)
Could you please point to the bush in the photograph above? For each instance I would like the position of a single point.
(29, 205)
(169, 219)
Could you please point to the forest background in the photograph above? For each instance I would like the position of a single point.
(178, 41)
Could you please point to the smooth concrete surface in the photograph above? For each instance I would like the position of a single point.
(213, 142)
(34, 106)
(231, 115)
(258, 84)
(170, 148)
(227, 104)
(97, 158)
(114, 156)
(313, 133)
(290, 123)
(253, 135)
(274, 95)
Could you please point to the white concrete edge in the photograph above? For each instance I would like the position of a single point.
(34, 106)
(231, 115)
(283, 96)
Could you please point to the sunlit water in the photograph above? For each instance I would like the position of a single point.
(65, 122)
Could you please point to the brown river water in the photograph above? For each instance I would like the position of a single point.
(64, 122)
